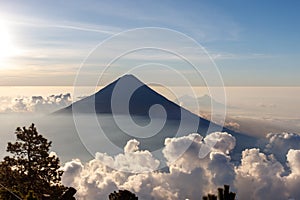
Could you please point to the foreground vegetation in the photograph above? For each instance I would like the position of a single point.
(32, 172)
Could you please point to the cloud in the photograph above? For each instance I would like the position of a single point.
(274, 174)
(104, 174)
(19, 105)
(232, 125)
(224, 142)
(264, 105)
(133, 160)
(293, 179)
(258, 175)
(222, 171)
(293, 158)
(71, 171)
(280, 143)
(37, 104)
(175, 146)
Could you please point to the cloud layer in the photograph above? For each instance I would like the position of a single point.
(259, 175)
(37, 104)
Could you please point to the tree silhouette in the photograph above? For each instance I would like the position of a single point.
(122, 195)
(223, 194)
(30, 168)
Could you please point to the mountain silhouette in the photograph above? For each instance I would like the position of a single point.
(141, 100)
(205, 102)
(128, 96)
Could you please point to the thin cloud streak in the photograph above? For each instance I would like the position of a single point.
(45, 24)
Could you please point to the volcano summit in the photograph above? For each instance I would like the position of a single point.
(130, 98)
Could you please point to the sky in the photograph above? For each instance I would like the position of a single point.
(253, 43)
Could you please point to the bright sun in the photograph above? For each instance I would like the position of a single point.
(7, 49)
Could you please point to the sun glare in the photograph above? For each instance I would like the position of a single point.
(7, 48)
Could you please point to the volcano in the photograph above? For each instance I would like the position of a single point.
(142, 98)
(129, 97)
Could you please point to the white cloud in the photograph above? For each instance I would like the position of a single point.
(133, 160)
(293, 179)
(280, 143)
(95, 180)
(224, 142)
(257, 176)
(71, 170)
(174, 148)
(37, 104)
(293, 158)
(222, 171)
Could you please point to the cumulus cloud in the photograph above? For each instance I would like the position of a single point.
(188, 176)
(71, 171)
(280, 143)
(293, 158)
(274, 174)
(104, 174)
(222, 171)
(222, 141)
(293, 179)
(179, 151)
(35, 103)
(259, 175)
(133, 160)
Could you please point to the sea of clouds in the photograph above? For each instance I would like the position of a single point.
(269, 173)
(36, 104)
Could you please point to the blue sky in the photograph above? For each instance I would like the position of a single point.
(254, 43)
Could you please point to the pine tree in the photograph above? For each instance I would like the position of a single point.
(31, 167)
